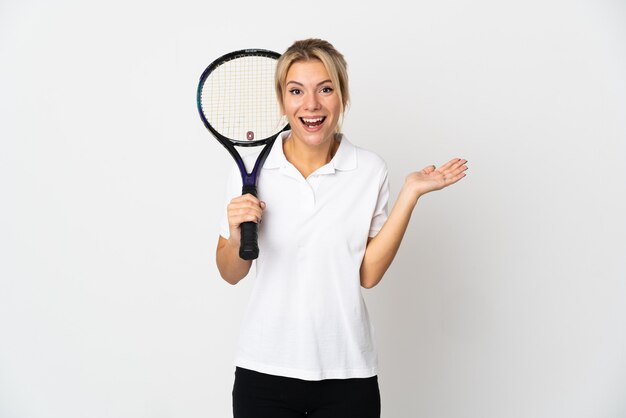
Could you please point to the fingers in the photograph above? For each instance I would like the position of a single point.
(246, 208)
(452, 164)
(453, 170)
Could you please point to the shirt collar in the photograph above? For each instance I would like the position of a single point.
(344, 159)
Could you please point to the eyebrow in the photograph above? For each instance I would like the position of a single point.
(300, 84)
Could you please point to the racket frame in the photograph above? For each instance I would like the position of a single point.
(249, 246)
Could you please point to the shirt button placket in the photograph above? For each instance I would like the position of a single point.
(307, 198)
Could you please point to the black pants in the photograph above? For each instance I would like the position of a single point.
(258, 395)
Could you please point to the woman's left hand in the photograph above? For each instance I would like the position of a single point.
(430, 178)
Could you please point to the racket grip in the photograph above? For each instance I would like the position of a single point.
(249, 247)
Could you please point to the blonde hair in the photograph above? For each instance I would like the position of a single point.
(311, 50)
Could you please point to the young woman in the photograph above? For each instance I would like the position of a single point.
(307, 348)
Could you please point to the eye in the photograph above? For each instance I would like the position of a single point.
(327, 90)
(295, 92)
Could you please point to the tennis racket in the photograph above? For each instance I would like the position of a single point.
(237, 103)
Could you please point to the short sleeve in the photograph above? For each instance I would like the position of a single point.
(380, 212)
(232, 190)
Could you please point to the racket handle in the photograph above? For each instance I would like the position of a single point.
(249, 247)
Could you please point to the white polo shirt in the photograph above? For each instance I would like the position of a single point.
(306, 317)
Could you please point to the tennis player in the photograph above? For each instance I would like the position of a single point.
(307, 347)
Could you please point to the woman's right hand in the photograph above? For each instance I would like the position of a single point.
(246, 208)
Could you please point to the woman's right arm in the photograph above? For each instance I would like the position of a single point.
(241, 209)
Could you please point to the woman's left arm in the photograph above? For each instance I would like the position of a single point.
(382, 249)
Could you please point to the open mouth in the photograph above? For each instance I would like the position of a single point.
(313, 122)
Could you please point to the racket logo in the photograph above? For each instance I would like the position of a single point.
(249, 135)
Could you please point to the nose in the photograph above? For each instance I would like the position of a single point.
(311, 102)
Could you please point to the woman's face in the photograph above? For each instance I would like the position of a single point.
(311, 103)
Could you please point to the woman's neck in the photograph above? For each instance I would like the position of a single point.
(307, 159)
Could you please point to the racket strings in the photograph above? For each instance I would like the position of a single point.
(238, 99)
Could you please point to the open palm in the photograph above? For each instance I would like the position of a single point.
(431, 178)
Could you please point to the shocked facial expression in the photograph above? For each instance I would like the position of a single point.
(311, 103)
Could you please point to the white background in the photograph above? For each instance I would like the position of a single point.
(507, 298)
